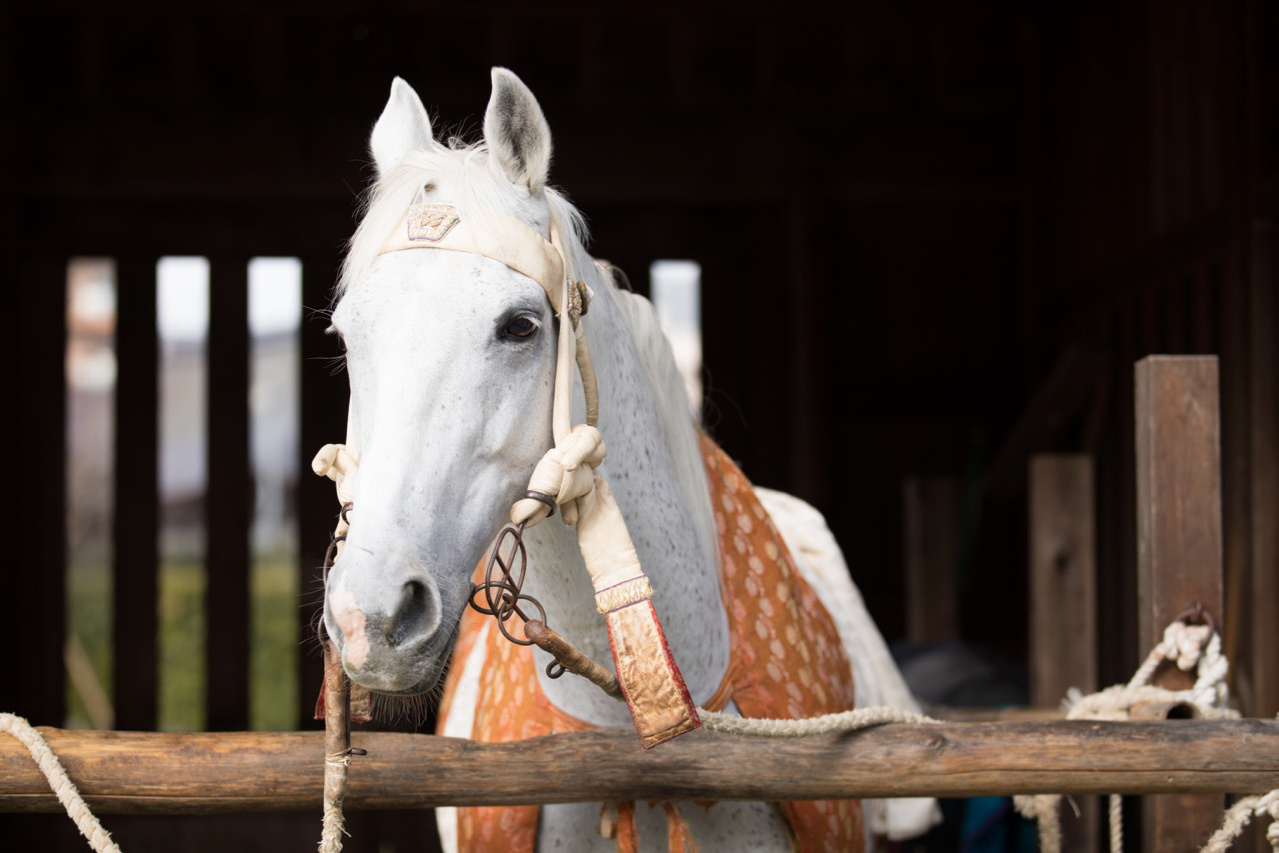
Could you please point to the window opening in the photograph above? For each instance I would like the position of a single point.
(90, 431)
(275, 311)
(182, 315)
(676, 290)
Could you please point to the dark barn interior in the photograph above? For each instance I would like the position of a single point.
(934, 239)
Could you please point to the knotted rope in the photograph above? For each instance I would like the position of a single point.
(1190, 647)
(56, 775)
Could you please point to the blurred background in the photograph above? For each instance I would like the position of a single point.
(903, 248)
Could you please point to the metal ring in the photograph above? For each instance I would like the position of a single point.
(542, 497)
(502, 595)
(1196, 614)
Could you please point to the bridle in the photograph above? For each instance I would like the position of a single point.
(566, 479)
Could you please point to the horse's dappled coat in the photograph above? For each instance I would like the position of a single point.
(787, 663)
(450, 412)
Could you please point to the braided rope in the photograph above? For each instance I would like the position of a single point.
(1239, 815)
(1196, 647)
(845, 721)
(56, 775)
(1116, 809)
(1042, 808)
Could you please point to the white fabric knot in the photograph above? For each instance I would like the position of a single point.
(565, 474)
(340, 464)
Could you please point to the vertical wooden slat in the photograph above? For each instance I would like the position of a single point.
(1230, 284)
(137, 503)
(930, 512)
(1179, 543)
(229, 500)
(323, 401)
(1063, 641)
(1118, 629)
(1264, 593)
(1063, 600)
(35, 503)
(809, 473)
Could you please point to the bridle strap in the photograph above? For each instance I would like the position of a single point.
(522, 248)
(568, 474)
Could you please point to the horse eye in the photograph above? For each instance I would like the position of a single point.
(519, 327)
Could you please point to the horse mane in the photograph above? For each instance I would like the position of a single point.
(479, 194)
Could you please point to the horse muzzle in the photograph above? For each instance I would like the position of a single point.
(385, 622)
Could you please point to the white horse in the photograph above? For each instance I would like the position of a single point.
(451, 357)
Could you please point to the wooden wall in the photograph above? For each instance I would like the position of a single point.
(1159, 197)
(905, 214)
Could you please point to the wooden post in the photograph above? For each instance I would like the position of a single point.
(930, 518)
(323, 402)
(1264, 458)
(35, 500)
(1063, 599)
(136, 559)
(228, 507)
(1179, 550)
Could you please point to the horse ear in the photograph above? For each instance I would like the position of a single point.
(517, 132)
(403, 127)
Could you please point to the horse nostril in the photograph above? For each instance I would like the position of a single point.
(411, 616)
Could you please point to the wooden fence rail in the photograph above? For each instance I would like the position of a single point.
(127, 772)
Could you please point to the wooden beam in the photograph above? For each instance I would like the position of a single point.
(128, 772)
(930, 513)
(1075, 378)
(1179, 542)
(1063, 599)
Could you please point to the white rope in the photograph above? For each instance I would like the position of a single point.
(334, 826)
(846, 721)
(334, 829)
(1116, 803)
(1190, 647)
(1239, 816)
(99, 839)
(1042, 808)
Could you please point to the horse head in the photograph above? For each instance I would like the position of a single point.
(451, 357)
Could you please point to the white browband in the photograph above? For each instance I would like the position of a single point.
(520, 247)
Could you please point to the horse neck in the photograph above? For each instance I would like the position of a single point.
(654, 470)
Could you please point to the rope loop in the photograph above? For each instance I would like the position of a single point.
(1191, 642)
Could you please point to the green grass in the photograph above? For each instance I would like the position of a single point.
(182, 637)
(274, 649)
(273, 656)
(89, 617)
